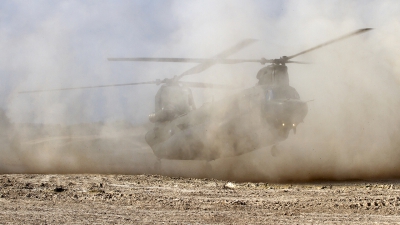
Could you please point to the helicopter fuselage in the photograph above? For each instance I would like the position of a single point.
(256, 117)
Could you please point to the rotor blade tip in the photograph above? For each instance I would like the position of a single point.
(366, 29)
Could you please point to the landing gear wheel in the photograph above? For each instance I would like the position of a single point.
(274, 151)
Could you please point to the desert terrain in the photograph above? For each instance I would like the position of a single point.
(97, 174)
(153, 199)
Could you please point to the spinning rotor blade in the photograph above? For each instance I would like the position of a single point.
(204, 63)
(205, 85)
(87, 87)
(360, 31)
(217, 59)
(202, 60)
(203, 66)
(286, 59)
(187, 60)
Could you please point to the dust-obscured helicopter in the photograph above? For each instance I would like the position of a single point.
(253, 118)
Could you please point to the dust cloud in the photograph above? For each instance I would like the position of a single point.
(351, 131)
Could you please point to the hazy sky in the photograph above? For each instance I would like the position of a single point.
(54, 44)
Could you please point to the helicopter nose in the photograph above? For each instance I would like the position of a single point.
(287, 112)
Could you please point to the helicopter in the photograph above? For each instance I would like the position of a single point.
(256, 117)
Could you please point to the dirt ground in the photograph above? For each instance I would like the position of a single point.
(152, 199)
(53, 177)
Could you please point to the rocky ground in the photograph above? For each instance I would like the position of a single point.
(152, 199)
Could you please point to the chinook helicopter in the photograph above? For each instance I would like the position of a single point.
(257, 117)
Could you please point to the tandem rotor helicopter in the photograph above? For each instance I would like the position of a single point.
(260, 116)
